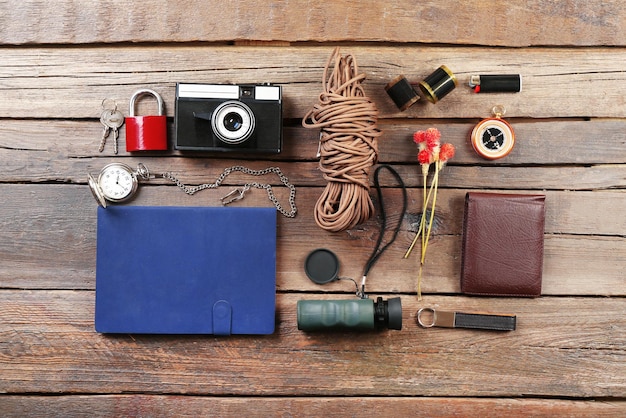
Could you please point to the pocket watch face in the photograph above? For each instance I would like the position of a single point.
(117, 182)
(493, 138)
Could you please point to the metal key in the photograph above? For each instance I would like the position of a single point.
(112, 121)
(106, 131)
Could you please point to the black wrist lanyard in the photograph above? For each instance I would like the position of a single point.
(378, 250)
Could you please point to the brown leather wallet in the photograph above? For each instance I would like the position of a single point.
(502, 250)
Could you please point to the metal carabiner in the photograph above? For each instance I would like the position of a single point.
(234, 195)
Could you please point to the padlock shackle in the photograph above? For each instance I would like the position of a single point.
(141, 92)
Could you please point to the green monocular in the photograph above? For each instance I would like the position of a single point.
(359, 314)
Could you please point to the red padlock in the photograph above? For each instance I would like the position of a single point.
(146, 133)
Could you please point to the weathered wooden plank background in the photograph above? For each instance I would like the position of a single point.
(59, 60)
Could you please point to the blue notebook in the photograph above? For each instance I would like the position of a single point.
(186, 270)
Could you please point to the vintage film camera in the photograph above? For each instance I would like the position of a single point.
(235, 118)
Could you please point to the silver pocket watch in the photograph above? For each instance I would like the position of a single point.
(116, 183)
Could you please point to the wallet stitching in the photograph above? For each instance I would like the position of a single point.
(529, 295)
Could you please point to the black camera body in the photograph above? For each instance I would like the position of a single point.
(229, 118)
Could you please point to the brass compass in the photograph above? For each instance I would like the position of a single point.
(493, 138)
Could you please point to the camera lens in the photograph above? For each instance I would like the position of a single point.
(233, 122)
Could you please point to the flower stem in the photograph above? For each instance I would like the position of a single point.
(419, 284)
(435, 183)
(426, 234)
(422, 227)
(419, 233)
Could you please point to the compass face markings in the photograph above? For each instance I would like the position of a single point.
(493, 138)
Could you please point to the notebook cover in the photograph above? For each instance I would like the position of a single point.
(502, 250)
(186, 270)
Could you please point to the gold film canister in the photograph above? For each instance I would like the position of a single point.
(437, 85)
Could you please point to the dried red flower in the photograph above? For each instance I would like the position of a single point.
(424, 157)
(431, 151)
(419, 137)
(446, 152)
(432, 136)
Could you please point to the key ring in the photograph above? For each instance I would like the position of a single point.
(498, 111)
(419, 317)
(114, 103)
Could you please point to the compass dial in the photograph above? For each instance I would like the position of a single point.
(493, 138)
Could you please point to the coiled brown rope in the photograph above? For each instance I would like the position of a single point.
(348, 145)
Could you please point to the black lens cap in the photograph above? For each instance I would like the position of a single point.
(322, 266)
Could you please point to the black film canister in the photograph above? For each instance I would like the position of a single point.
(437, 85)
(401, 92)
(503, 83)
